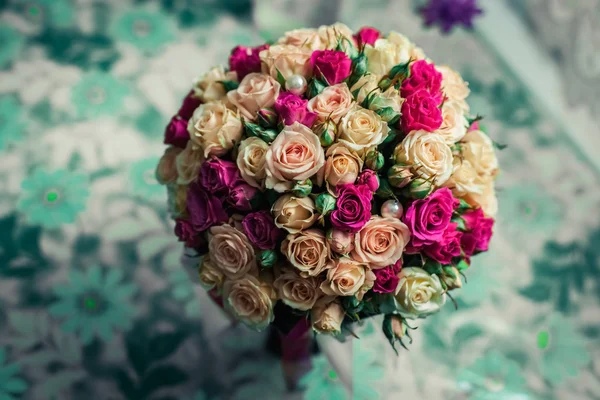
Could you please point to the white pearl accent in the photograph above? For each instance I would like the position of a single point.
(392, 209)
(296, 84)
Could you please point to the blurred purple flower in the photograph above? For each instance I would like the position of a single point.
(448, 13)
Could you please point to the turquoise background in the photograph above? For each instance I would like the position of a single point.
(94, 303)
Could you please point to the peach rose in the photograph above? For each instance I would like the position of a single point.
(231, 251)
(251, 161)
(295, 155)
(345, 278)
(362, 129)
(308, 251)
(209, 87)
(365, 85)
(332, 103)
(188, 163)
(487, 200)
(296, 291)
(307, 38)
(381, 242)
(166, 170)
(342, 166)
(294, 213)
(215, 128)
(332, 34)
(478, 149)
(250, 301)
(454, 87)
(256, 91)
(287, 59)
(210, 276)
(327, 317)
(454, 123)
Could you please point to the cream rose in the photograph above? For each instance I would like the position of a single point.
(419, 294)
(231, 251)
(296, 291)
(428, 155)
(288, 60)
(487, 200)
(332, 103)
(307, 38)
(166, 170)
(250, 300)
(188, 163)
(294, 213)
(415, 53)
(256, 91)
(362, 129)
(210, 276)
(209, 87)
(327, 317)
(464, 179)
(342, 166)
(295, 155)
(454, 124)
(381, 242)
(366, 85)
(215, 128)
(251, 161)
(331, 34)
(478, 149)
(385, 54)
(454, 87)
(308, 251)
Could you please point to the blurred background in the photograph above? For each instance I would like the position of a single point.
(94, 303)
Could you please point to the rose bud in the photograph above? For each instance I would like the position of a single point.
(325, 204)
(327, 132)
(267, 258)
(340, 242)
(419, 188)
(369, 177)
(268, 135)
(400, 175)
(359, 65)
(374, 160)
(327, 318)
(302, 188)
(451, 278)
(267, 118)
(395, 330)
(385, 190)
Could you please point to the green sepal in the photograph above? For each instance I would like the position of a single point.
(267, 258)
(499, 146)
(302, 188)
(433, 267)
(315, 87)
(252, 129)
(460, 223)
(229, 85)
(449, 271)
(462, 265)
(388, 114)
(387, 304)
(477, 118)
(280, 78)
(400, 71)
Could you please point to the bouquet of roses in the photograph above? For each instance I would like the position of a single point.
(329, 177)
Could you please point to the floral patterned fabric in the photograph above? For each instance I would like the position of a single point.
(94, 301)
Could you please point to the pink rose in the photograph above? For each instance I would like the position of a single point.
(367, 35)
(421, 111)
(240, 195)
(381, 242)
(205, 210)
(292, 108)
(245, 60)
(218, 176)
(190, 103)
(261, 230)
(330, 65)
(340, 242)
(479, 231)
(177, 133)
(353, 207)
(429, 218)
(369, 177)
(444, 250)
(423, 76)
(256, 91)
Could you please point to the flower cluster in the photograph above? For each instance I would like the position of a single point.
(331, 176)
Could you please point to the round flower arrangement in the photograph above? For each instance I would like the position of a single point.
(329, 177)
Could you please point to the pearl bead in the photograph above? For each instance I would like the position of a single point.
(296, 84)
(392, 209)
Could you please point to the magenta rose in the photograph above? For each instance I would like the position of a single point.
(190, 103)
(245, 60)
(369, 177)
(448, 247)
(205, 209)
(367, 35)
(176, 133)
(330, 65)
(428, 219)
(479, 232)
(261, 230)
(187, 234)
(386, 280)
(292, 108)
(421, 111)
(423, 76)
(353, 207)
(218, 176)
(240, 195)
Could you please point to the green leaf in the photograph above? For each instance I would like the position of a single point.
(280, 78)
(537, 292)
(229, 85)
(433, 267)
(460, 223)
(462, 265)
(464, 205)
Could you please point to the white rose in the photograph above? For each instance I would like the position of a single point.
(454, 87)
(384, 55)
(419, 294)
(365, 85)
(415, 53)
(478, 149)
(464, 179)
(287, 59)
(454, 124)
(486, 200)
(331, 34)
(215, 128)
(362, 129)
(307, 38)
(208, 87)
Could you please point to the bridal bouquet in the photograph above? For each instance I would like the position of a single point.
(329, 177)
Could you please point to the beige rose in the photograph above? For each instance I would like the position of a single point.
(345, 278)
(188, 163)
(294, 213)
(370, 278)
(385, 54)
(332, 34)
(428, 154)
(366, 85)
(418, 293)
(415, 53)
(327, 318)
(208, 87)
(362, 129)
(296, 291)
(251, 161)
(342, 166)
(287, 59)
(308, 251)
(478, 149)
(210, 276)
(340, 242)
(231, 251)
(332, 103)
(166, 170)
(295, 155)
(250, 301)
(464, 179)
(454, 87)
(256, 91)
(307, 38)
(215, 128)
(486, 200)
(454, 124)
(381, 242)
